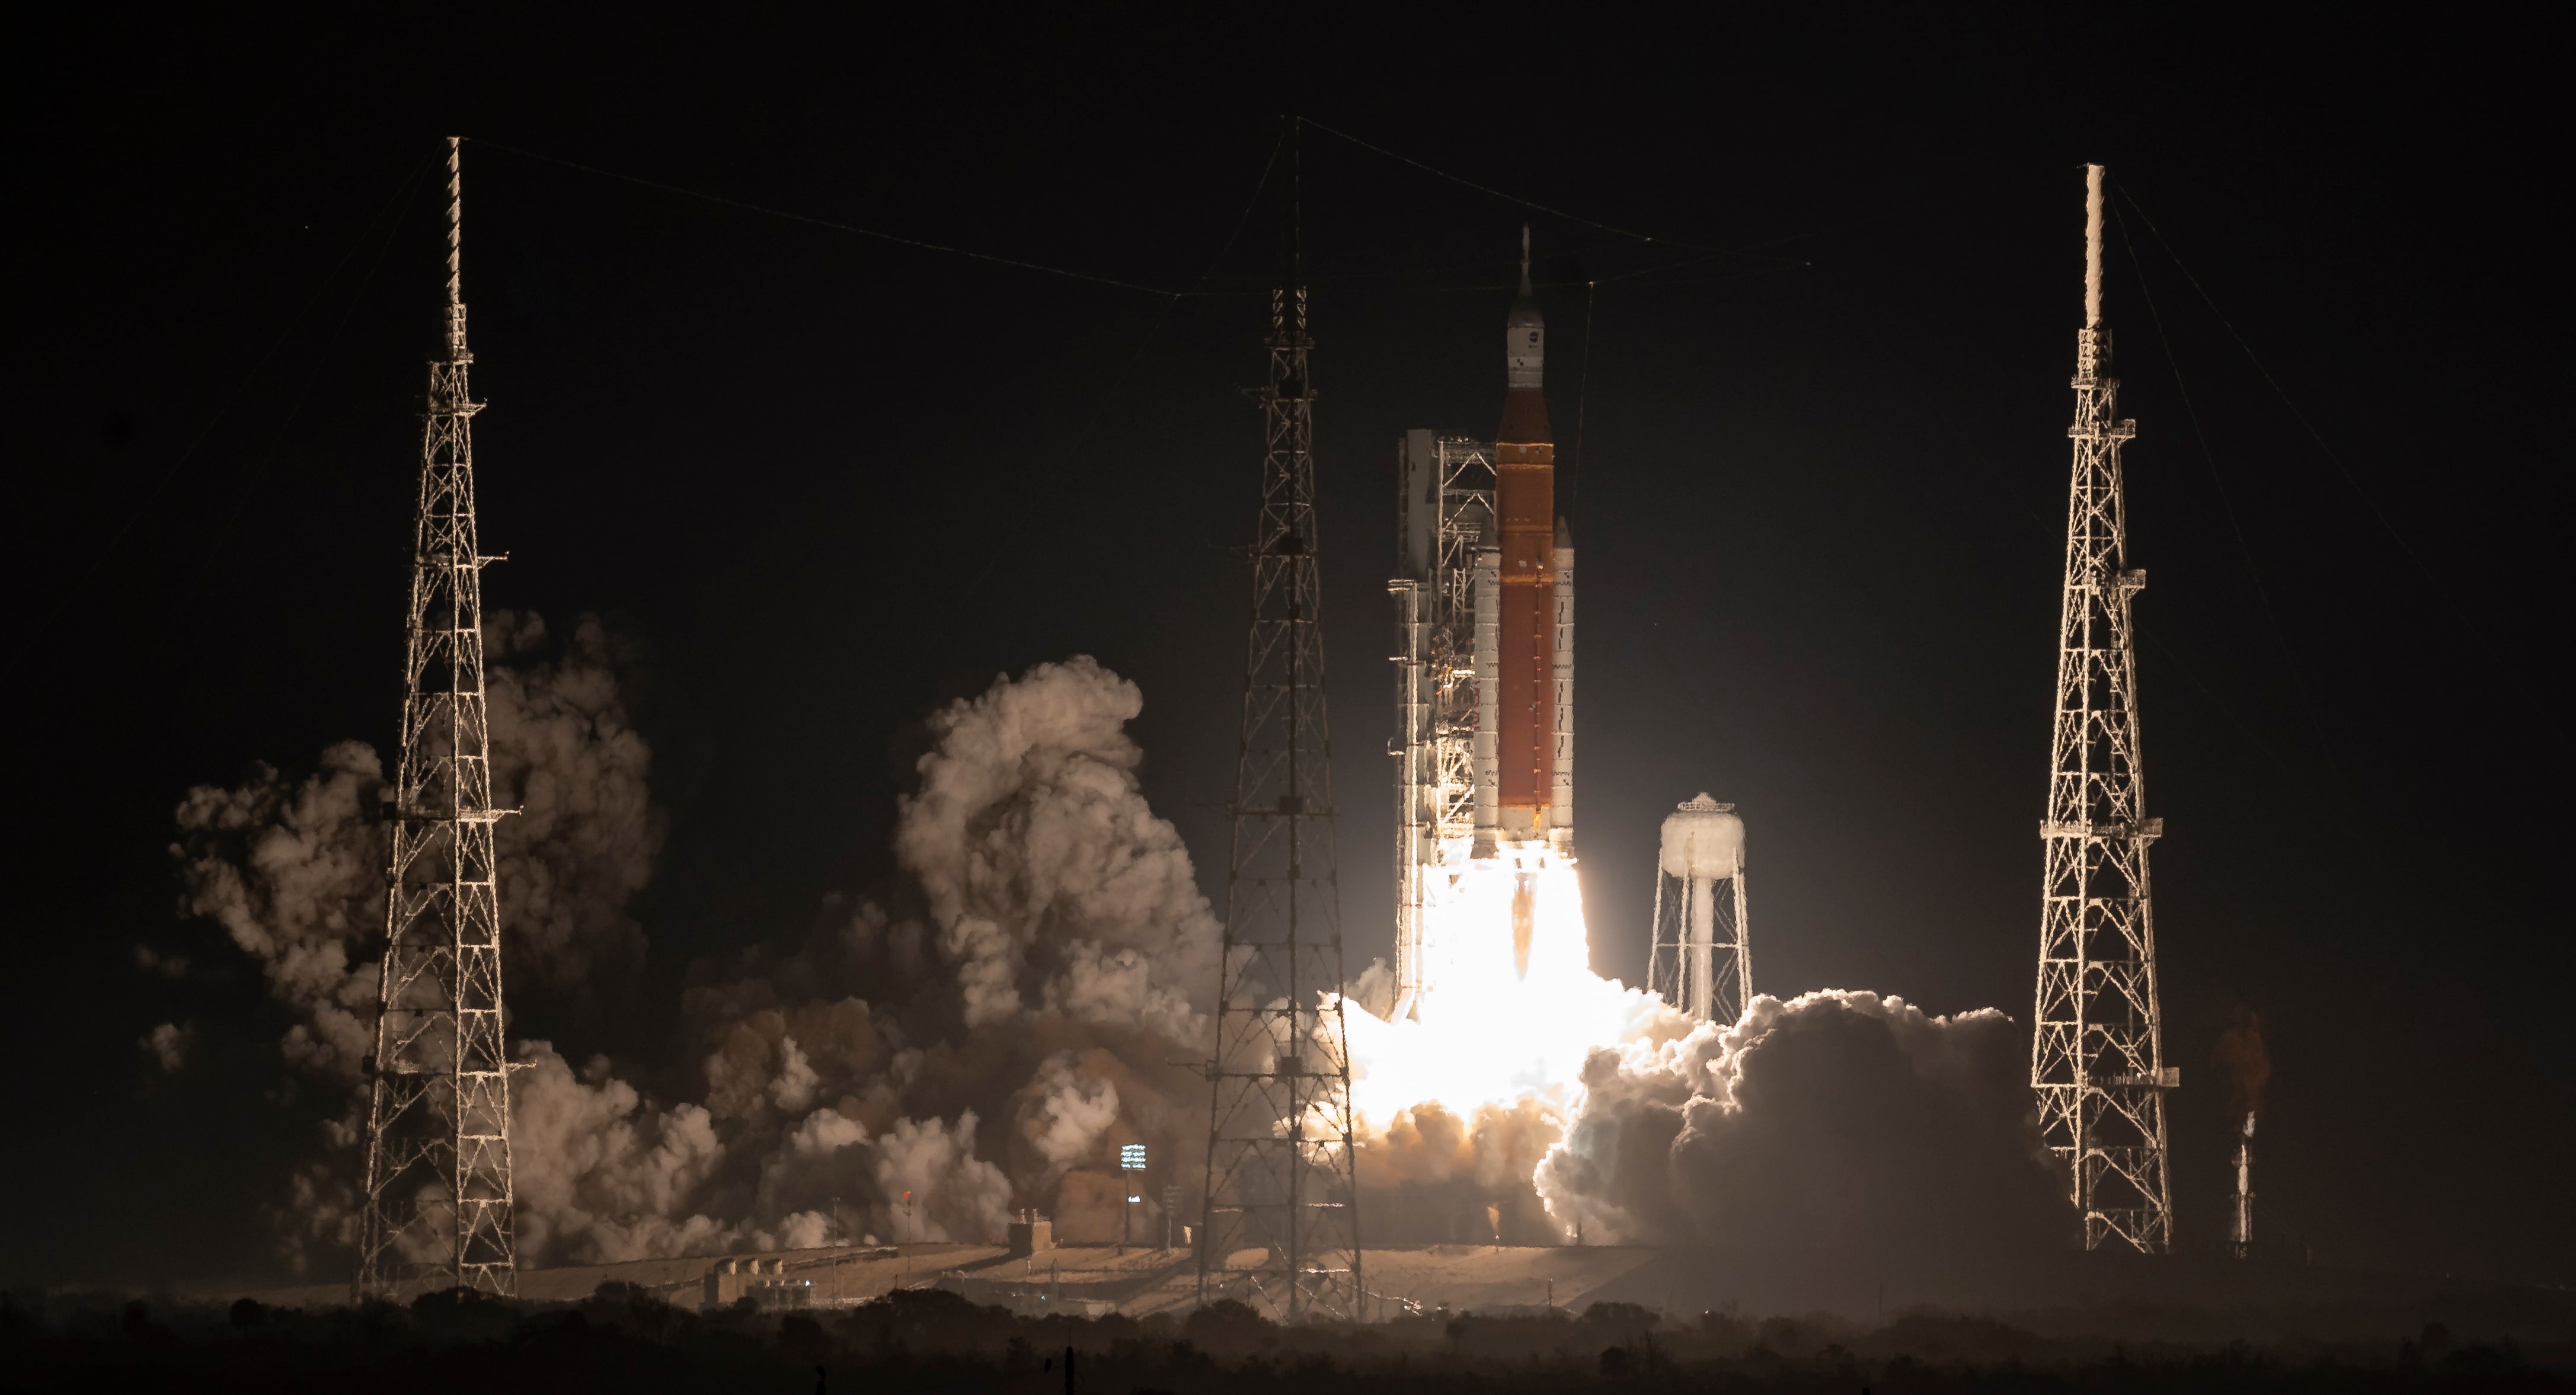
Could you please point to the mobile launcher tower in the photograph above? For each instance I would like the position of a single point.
(1484, 674)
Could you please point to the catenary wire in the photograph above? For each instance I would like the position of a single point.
(1082, 436)
(1490, 191)
(2218, 480)
(809, 219)
(2328, 451)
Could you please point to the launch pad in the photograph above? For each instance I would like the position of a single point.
(1086, 1280)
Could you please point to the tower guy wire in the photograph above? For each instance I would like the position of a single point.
(2332, 456)
(2097, 1054)
(439, 1207)
(2272, 629)
(1280, 1210)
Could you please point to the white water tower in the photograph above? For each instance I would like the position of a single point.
(1702, 961)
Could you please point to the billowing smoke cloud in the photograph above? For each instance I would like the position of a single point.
(1835, 1134)
(985, 1034)
(170, 1045)
(587, 832)
(983, 1037)
(919, 1076)
(1043, 866)
(596, 1166)
(1435, 1176)
(294, 870)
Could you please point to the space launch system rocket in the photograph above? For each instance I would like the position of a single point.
(1529, 698)
(1484, 678)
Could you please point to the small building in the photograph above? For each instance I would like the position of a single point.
(1031, 1235)
(763, 1281)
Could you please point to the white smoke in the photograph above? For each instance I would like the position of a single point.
(586, 834)
(1051, 973)
(294, 870)
(170, 1045)
(1040, 859)
(1835, 1133)
(1433, 1174)
(1052, 994)
(601, 1174)
(1066, 1112)
(986, 1035)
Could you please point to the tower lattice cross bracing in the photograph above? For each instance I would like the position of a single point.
(2097, 1059)
(438, 1203)
(1281, 1208)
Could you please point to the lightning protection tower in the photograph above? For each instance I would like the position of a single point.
(1280, 1191)
(2097, 1055)
(438, 1201)
(1702, 961)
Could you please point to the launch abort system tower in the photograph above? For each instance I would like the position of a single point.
(2097, 1054)
(438, 1204)
(1281, 1191)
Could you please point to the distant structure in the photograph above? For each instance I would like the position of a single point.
(438, 1205)
(2097, 1055)
(1702, 960)
(2240, 1226)
(1280, 1224)
(1484, 673)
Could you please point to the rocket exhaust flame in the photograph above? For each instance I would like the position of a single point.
(1510, 1007)
(1524, 895)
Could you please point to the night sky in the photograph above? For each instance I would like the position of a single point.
(819, 483)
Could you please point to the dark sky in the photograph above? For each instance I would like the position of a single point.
(820, 483)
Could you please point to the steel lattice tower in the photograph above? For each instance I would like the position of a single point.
(438, 1202)
(1280, 1162)
(2097, 1056)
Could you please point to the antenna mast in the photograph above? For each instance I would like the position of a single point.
(438, 1201)
(2097, 1054)
(1280, 1177)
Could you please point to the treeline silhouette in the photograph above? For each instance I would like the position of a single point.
(624, 1339)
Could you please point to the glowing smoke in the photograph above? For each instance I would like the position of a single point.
(1840, 1128)
(293, 870)
(1488, 1032)
(2240, 1053)
(1835, 1132)
(903, 1073)
(985, 1034)
(1456, 1104)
